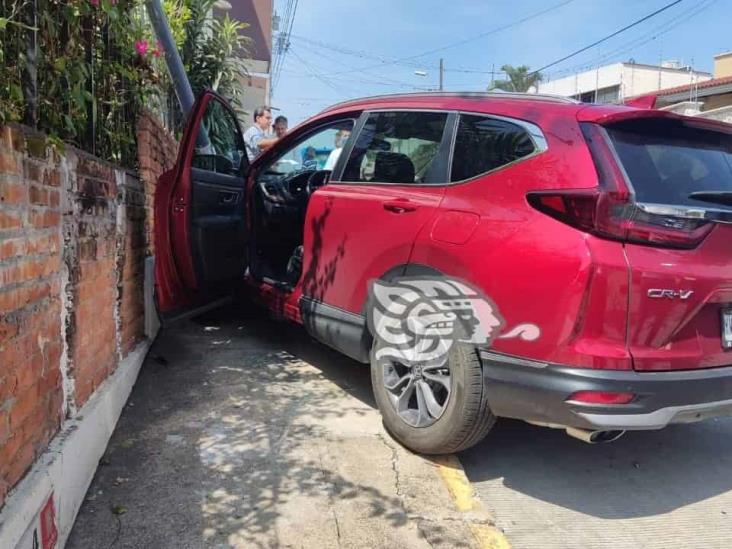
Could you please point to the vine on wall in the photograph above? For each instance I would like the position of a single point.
(81, 70)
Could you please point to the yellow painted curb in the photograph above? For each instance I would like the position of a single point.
(461, 491)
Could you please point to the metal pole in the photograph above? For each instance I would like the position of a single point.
(182, 86)
(29, 76)
(442, 73)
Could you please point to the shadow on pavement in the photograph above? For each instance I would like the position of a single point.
(642, 474)
(236, 434)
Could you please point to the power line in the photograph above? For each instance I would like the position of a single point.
(638, 22)
(278, 44)
(384, 60)
(324, 79)
(381, 77)
(283, 43)
(495, 30)
(660, 30)
(466, 40)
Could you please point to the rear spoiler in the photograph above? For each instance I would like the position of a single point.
(619, 114)
(642, 102)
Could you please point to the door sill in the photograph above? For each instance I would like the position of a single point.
(278, 284)
(177, 317)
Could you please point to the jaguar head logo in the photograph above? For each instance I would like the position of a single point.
(417, 320)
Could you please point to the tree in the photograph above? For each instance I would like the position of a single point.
(520, 79)
(214, 51)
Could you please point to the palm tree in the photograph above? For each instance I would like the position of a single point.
(520, 79)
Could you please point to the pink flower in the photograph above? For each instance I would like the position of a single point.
(141, 47)
(158, 51)
(94, 2)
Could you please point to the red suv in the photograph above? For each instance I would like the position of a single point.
(491, 255)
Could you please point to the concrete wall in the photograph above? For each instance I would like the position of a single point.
(633, 79)
(717, 101)
(258, 14)
(723, 65)
(256, 94)
(723, 114)
(74, 235)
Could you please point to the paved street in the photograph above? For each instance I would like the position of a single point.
(242, 432)
(663, 489)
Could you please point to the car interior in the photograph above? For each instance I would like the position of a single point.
(282, 192)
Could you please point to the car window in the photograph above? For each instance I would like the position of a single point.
(483, 144)
(397, 147)
(318, 151)
(219, 146)
(667, 161)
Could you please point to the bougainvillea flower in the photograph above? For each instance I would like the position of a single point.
(141, 47)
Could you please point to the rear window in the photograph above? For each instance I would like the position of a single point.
(484, 144)
(666, 161)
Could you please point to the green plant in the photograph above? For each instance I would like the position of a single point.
(214, 50)
(520, 79)
(98, 65)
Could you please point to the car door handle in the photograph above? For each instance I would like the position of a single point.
(399, 206)
(227, 198)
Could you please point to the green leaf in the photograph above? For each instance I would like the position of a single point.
(16, 92)
(3, 22)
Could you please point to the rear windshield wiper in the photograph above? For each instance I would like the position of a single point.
(715, 197)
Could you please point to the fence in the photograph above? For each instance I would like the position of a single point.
(81, 71)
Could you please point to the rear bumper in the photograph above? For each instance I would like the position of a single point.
(537, 392)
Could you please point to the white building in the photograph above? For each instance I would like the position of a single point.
(613, 83)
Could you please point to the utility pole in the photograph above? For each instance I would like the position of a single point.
(442, 73)
(172, 57)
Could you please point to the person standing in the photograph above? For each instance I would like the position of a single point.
(258, 138)
(280, 126)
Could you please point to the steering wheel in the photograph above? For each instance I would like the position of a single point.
(316, 180)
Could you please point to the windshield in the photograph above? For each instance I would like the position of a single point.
(667, 161)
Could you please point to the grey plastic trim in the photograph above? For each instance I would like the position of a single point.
(659, 418)
(513, 359)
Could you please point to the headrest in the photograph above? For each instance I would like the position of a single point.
(392, 167)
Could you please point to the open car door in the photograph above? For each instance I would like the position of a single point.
(200, 230)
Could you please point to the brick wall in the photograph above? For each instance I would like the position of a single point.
(74, 234)
(30, 306)
(157, 151)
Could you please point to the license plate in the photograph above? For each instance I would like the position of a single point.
(727, 328)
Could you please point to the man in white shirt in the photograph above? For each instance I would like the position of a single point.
(341, 137)
(258, 138)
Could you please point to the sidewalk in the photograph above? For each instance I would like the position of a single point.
(242, 432)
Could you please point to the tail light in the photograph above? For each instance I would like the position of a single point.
(601, 397)
(609, 211)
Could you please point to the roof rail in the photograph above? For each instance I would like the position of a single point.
(472, 95)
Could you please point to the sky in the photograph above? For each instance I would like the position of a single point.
(347, 49)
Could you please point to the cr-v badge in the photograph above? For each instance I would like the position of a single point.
(658, 293)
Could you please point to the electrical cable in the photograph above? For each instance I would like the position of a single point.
(600, 41)
(662, 29)
(466, 40)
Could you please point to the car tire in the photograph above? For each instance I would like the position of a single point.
(466, 418)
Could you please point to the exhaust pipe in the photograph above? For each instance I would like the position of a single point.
(594, 437)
